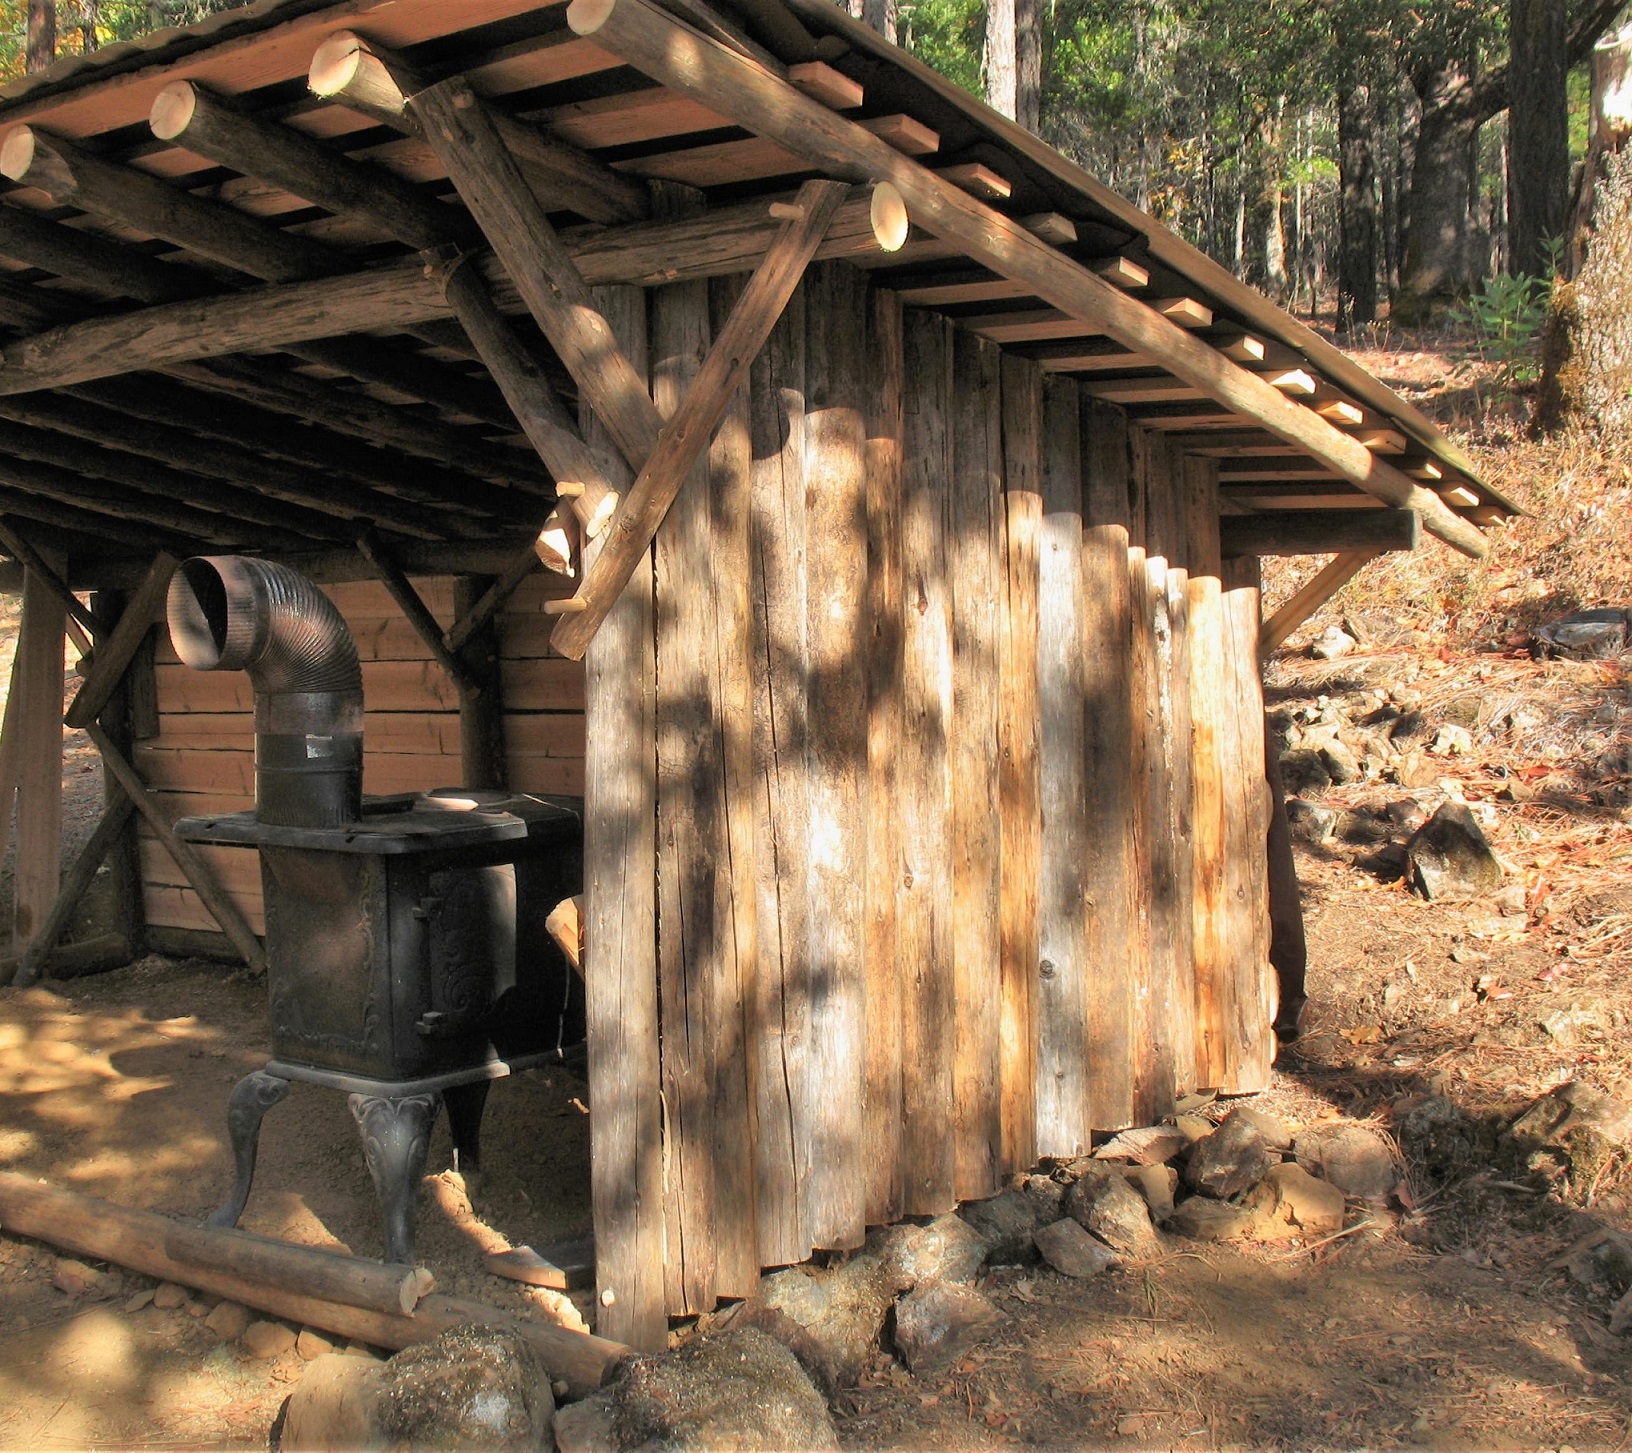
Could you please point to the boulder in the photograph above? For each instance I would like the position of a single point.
(1157, 1184)
(1005, 1223)
(74, 1279)
(1202, 1219)
(1289, 1200)
(469, 1388)
(1331, 643)
(1147, 1145)
(1303, 773)
(1230, 1161)
(1071, 1251)
(831, 1320)
(937, 1322)
(1047, 1197)
(949, 1248)
(267, 1339)
(1585, 1128)
(1450, 858)
(228, 1320)
(1358, 1161)
(739, 1392)
(1102, 1201)
(168, 1296)
(1274, 1129)
(311, 1345)
(1587, 635)
(1309, 822)
(1341, 764)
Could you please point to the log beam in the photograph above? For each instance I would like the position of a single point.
(651, 40)
(366, 77)
(84, 626)
(222, 908)
(1319, 532)
(188, 115)
(418, 614)
(641, 511)
(1274, 632)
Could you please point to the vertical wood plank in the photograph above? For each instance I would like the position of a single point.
(1177, 762)
(124, 869)
(693, 894)
(481, 717)
(1019, 787)
(621, 991)
(925, 921)
(974, 534)
(1211, 719)
(1164, 527)
(779, 1021)
(1107, 465)
(730, 461)
(884, 606)
(1253, 1001)
(1201, 544)
(836, 745)
(1064, 1051)
(1161, 818)
(1119, 952)
(1152, 1096)
(37, 678)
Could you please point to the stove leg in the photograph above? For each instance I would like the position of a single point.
(465, 1106)
(396, 1134)
(253, 1096)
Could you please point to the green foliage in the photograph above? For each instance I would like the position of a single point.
(1506, 318)
(89, 24)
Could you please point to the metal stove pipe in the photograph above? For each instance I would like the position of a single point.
(234, 612)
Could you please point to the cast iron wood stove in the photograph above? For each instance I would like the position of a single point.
(407, 958)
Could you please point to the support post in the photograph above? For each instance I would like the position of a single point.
(483, 763)
(37, 681)
(1307, 601)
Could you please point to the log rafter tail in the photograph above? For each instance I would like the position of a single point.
(686, 61)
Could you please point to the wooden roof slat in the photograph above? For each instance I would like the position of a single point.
(89, 521)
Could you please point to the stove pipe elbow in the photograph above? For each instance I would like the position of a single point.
(234, 612)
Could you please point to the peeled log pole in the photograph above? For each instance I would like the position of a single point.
(109, 663)
(686, 435)
(140, 1240)
(649, 39)
(1307, 601)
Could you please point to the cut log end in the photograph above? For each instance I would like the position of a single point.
(173, 110)
(335, 63)
(17, 152)
(585, 17)
(888, 215)
(571, 606)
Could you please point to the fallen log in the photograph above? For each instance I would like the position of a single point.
(138, 1241)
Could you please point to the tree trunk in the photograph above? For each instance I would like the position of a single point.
(42, 34)
(1002, 73)
(1357, 217)
(1441, 254)
(1028, 56)
(1538, 136)
(879, 14)
(1586, 357)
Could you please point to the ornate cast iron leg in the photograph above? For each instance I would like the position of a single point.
(396, 1134)
(252, 1097)
(465, 1105)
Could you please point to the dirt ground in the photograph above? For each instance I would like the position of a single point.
(1446, 1319)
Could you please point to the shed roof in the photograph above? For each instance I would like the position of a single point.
(215, 352)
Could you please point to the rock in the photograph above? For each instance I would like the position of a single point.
(1310, 823)
(1587, 1128)
(937, 1322)
(1005, 1223)
(1405, 813)
(831, 1320)
(1102, 1201)
(267, 1339)
(1331, 643)
(74, 1278)
(1358, 1161)
(1271, 1127)
(1341, 765)
(1047, 1197)
(168, 1297)
(1156, 1183)
(333, 1409)
(1231, 1160)
(739, 1391)
(229, 1321)
(1149, 1145)
(1303, 772)
(1450, 858)
(949, 1248)
(1416, 769)
(471, 1387)
(1407, 726)
(1205, 1220)
(1511, 901)
(587, 1426)
(143, 1298)
(312, 1345)
(1195, 1127)
(1442, 1140)
(197, 1310)
(1071, 1251)
(1586, 635)
(1290, 1199)
(1451, 741)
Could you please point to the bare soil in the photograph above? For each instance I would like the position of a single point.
(1446, 1319)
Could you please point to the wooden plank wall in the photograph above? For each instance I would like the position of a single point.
(943, 886)
(202, 759)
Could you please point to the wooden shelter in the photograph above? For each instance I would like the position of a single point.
(900, 492)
